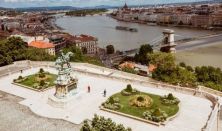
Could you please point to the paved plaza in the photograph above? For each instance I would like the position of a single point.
(17, 117)
(193, 113)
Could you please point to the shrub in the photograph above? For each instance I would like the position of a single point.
(41, 75)
(41, 71)
(170, 100)
(129, 70)
(111, 100)
(20, 78)
(35, 85)
(155, 115)
(42, 83)
(129, 91)
(182, 64)
(129, 88)
(112, 103)
(170, 96)
(125, 93)
(141, 101)
(189, 68)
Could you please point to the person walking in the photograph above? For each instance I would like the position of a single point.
(88, 89)
(104, 93)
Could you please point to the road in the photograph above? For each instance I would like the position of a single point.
(207, 41)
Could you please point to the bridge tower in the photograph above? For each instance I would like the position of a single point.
(168, 45)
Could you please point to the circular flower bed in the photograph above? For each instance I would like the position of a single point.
(141, 101)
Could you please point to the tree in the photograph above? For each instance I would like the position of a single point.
(99, 123)
(168, 71)
(110, 49)
(189, 68)
(141, 57)
(182, 64)
(14, 49)
(86, 126)
(209, 76)
(162, 60)
(78, 55)
(84, 50)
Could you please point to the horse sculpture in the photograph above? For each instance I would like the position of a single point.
(63, 59)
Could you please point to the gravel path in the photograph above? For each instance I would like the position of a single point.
(16, 117)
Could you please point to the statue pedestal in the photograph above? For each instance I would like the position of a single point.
(63, 95)
(63, 91)
(62, 102)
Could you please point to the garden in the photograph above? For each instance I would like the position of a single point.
(145, 106)
(39, 81)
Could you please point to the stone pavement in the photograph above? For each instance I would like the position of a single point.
(16, 117)
(193, 114)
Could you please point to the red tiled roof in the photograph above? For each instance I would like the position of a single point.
(84, 38)
(127, 64)
(41, 44)
(151, 68)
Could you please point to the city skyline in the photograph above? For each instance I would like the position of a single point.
(83, 3)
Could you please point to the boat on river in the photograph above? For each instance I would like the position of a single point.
(126, 28)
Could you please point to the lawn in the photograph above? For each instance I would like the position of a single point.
(31, 80)
(138, 111)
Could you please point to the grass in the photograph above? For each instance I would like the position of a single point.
(138, 111)
(32, 79)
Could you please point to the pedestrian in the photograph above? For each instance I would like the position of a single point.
(21, 71)
(88, 89)
(104, 93)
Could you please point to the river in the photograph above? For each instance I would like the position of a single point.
(103, 28)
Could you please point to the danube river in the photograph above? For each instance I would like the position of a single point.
(103, 28)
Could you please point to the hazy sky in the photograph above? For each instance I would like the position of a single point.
(81, 3)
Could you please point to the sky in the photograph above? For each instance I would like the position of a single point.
(82, 3)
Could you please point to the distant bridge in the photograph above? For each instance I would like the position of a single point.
(155, 43)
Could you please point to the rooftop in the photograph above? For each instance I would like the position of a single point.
(84, 38)
(41, 44)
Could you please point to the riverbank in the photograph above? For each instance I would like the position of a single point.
(166, 24)
(208, 55)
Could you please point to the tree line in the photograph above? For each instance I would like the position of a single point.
(15, 49)
(85, 12)
(178, 74)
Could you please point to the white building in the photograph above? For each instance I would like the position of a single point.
(88, 42)
(29, 39)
